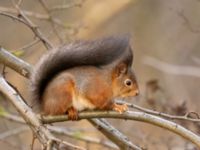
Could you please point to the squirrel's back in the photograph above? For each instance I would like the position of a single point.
(98, 53)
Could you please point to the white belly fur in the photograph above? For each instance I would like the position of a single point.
(80, 103)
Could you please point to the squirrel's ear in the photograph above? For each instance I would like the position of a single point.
(120, 69)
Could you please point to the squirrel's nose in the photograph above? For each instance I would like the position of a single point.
(137, 92)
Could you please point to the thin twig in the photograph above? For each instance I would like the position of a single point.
(14, 18)
(28, 13)
(3, 72)
(32, 43)
(172, 69)
(161, 114)
(187, 22)
(13, 132)
(35, 15)
(51, 20)
(67, 6)
(34, 28)
(33, 141)
(89, 139)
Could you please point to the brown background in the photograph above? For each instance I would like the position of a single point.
(166, 30)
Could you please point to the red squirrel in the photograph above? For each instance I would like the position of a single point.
(85, 75)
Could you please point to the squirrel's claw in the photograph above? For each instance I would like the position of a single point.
(72, 114)
(120, 108)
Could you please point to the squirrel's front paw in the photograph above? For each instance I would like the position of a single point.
(120, 108)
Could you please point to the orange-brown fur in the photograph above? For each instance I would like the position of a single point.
(98, 88)
(99, 94)
(58, 97)
(85, 75)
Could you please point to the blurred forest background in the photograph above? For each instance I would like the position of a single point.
(163, 32)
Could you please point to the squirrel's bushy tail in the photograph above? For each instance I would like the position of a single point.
(97, 53)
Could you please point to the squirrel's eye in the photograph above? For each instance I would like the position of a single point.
(128, 82)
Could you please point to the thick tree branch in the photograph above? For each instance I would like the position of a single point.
(113, 134)
(31, 119)
(130, 115)
(15, 63)
(61, 131)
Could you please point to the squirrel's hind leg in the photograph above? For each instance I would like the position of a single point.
(58, 97)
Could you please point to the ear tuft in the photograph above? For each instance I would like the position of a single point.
(120, 69)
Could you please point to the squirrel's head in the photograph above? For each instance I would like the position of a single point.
(124, 81)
